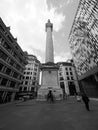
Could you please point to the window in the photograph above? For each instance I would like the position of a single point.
(34, 73)
(26, 82)
(18, 67)
(66, 73)
(23, 77)
(4, 82)
(1, 66)
(67, 78)
(32, 89)
(12, 84)
(11, 62)
(33, 83)
(66, 68)
(61, 78)
(28, 73)
(15, 55)
(10, 39)
(62, 85)
(36, 65)
(8, 71)
(70, 69)
(27, 77)
(71, 73)
(25, 88)
(24, 72)
(34, 78)
(15, 75)
(20, 89)
(7, 47)
(35, 69)
(72, 78)
(1, 28)
(3, 55)
(60, 74)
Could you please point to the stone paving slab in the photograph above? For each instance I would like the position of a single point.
(61, 115)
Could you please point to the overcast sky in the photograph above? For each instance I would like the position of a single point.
(27, 20)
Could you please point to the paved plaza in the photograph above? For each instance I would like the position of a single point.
(61, 115)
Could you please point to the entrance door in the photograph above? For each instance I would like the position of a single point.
(72, 89)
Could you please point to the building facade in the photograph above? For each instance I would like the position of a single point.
(30, 81)
(12, 62)
(83, 40)
(67, 78)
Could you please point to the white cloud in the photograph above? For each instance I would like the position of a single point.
(62, 57)
(27, 19)
(69, 1)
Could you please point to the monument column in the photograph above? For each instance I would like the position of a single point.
(49, 78)
(49, 57)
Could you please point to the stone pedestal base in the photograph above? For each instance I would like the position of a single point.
(43, 91)
(49, 82)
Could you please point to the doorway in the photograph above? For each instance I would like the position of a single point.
(72, 89)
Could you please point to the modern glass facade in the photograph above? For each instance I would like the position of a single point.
(83, 39)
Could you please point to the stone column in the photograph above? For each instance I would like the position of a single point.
(49, 57)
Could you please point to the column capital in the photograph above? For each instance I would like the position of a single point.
(49, 25)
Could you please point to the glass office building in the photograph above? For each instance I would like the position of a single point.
(83, 40)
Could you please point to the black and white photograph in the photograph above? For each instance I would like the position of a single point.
(48, 64)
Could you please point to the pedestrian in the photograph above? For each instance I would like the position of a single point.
(86, 101)
(50, 96)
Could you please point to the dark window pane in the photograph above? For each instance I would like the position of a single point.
(66, 73)
(1, 66)
(70, 73)
(12, 84)
(8, 71)
(15, 75)
(11, 62)
(61, 78)
(4, 82)
(3, 55)
(67, 78)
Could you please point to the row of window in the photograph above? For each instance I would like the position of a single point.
(10, 50)
(35, 69)
(7, 83)
(67, 73)
(26, 89)
(11, 39)
(29, 77)
(30, 73)
(10, 61)
(68, 78)
(9, 72)
(67, 68)
(28, 83)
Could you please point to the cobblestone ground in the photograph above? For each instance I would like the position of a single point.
(61, 115)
